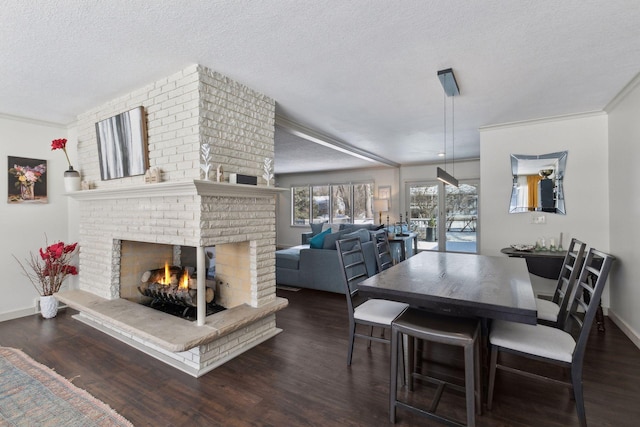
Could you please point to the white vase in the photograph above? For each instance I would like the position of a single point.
(48, 306)
(71, 180)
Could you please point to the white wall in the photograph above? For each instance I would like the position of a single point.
(585, 185)
(24, 225)
(624, 199)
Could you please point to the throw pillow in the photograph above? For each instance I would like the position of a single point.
(331, 239)
(317, 241)
(316, 227)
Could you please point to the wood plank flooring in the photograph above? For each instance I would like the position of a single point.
(300, 377)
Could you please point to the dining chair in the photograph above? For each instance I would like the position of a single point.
(384, 259)
(418, 324)
(371, 312)
(554, 312)
(557, 346)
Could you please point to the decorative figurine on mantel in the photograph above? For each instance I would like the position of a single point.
(219, 174)
(205, 152)
(268, 170)
(152, 176)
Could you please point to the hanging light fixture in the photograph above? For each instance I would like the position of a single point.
(450, 86)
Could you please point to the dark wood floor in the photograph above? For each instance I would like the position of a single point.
(300, 377)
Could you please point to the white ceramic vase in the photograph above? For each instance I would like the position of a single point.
(48, 306)
(71, 180)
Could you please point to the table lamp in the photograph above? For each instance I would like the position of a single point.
(380, 205)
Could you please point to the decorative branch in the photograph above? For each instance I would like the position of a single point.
(268, 170)
(206, 165)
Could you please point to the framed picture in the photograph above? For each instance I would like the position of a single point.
(384, 192)
(122, 144)
(27, 180)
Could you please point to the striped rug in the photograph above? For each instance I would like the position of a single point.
(31, 394)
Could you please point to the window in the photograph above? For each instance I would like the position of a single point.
(363, 203)
(337, 203)
(320, 205)
(301, 206)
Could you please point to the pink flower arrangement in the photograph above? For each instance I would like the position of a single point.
(27, 175)
(61, 144)
(51, 267)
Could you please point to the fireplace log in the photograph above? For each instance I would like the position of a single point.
(175, 294)
(157, 275)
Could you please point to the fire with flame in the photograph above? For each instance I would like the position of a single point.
(183, 282)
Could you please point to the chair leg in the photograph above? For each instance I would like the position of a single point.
(409, 369)
(352, 336)
(393, 383)
(477, 371)
(402, 368)
(469, 383)
(492, 375)
(370, 334)
(576, 381)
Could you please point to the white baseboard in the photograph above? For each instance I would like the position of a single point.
(24, 312)
(625, 328)
(16, 314)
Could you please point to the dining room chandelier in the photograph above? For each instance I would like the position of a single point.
(451, 89)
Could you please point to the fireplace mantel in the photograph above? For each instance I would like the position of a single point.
(179, 188)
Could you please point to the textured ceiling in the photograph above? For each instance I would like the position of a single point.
(360, 71)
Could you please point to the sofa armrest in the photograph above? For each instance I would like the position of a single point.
(304, 240)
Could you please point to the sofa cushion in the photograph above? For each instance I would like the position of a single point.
(331, 239)
(317, 241)
(354, 227)
(289, 258)
(363, 234)
(316, 227)
(333, 227)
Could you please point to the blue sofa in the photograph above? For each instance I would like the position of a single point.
(319, 268)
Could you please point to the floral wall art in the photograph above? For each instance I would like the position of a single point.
(27, 180)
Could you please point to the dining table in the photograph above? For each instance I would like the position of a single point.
(459, 284)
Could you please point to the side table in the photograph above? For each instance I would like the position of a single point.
(408, 244)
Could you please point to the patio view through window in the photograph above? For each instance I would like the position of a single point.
(457, 232)
(335, 203)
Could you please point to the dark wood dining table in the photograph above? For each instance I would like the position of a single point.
(466, 285)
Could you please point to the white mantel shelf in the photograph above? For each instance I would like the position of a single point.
(180, 188)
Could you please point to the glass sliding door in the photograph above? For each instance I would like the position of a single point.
(462, 217)
(424, 201)
(451, 229)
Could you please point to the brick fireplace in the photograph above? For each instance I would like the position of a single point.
(185, 110)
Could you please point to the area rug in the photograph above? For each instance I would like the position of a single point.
(31, 394)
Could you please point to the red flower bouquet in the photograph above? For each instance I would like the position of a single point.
(51, 267)
(61, 144)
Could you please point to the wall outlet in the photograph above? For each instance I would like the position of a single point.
(538, 219)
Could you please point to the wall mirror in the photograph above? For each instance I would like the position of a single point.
(537, 183)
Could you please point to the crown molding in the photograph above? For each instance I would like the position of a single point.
(543, 120)
(629, 87)
(33, 121)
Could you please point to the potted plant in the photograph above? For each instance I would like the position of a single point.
(431, 230)
(46, 272)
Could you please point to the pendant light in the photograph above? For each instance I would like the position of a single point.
(450, 86)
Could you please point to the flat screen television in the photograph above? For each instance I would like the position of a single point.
(122, 144)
